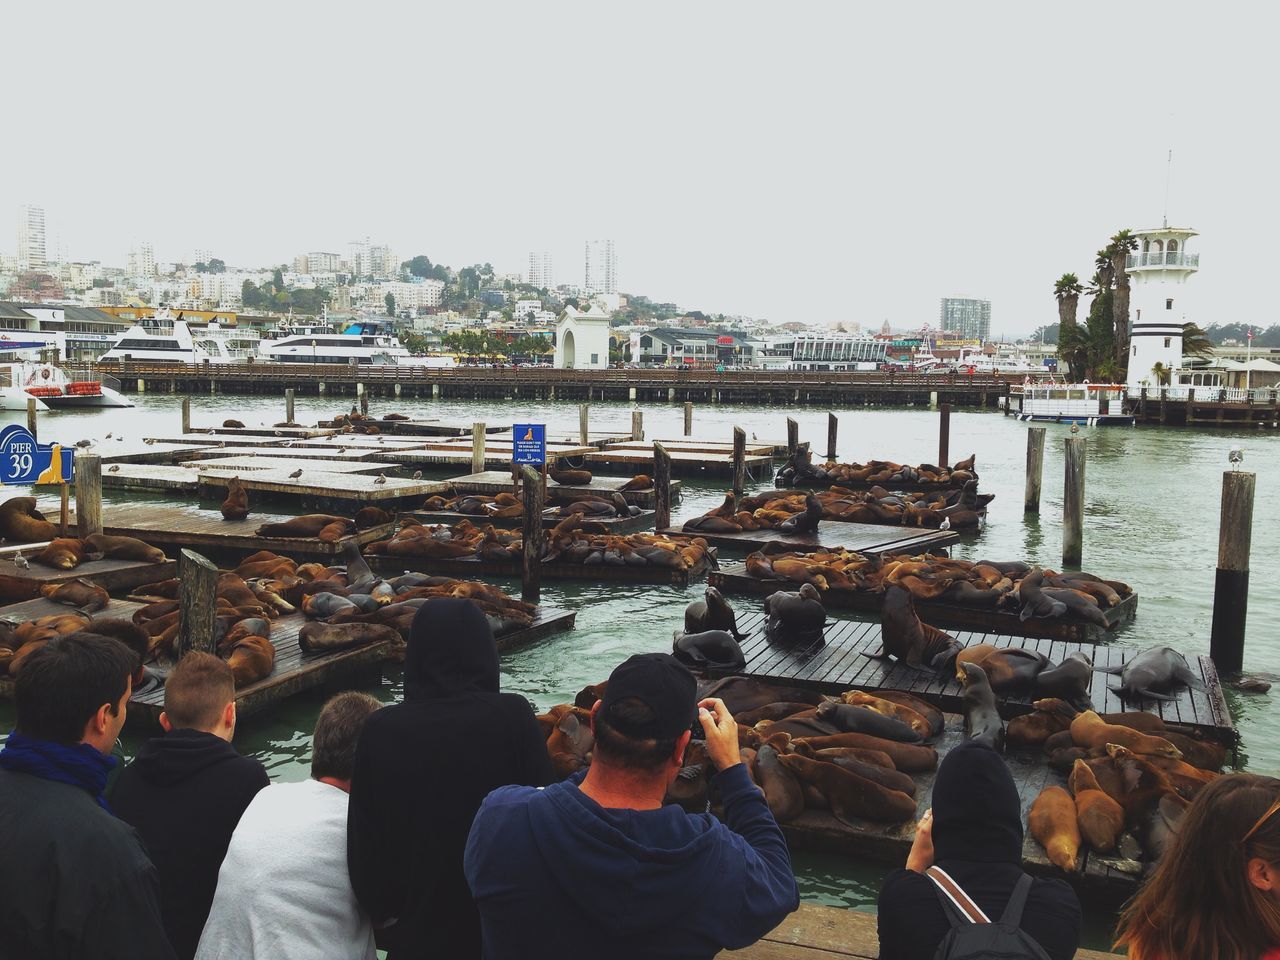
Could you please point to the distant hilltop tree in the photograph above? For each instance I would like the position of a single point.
(213, 266)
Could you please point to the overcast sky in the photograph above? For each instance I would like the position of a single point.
(840, 162)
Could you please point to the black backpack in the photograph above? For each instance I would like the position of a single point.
(972, 935)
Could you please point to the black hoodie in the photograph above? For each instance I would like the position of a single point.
(977, 839)
(184, 794)
(422, 769)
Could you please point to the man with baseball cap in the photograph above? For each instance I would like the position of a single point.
(604, 865)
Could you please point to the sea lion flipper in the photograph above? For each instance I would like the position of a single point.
(1153, 695)
(1108, 670)
(880, 654)
(1183, 673)
(1026, 613)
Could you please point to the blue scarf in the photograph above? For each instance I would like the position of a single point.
(79, 765)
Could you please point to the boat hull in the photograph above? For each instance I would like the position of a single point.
(1102, 420)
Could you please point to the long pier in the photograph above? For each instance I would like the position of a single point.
(773, 387)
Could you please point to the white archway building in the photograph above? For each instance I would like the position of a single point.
(582, 340)
(1158, 301)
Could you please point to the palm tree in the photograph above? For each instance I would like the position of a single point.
(1067, 290)
(1195, 342)
(1118, 249)
(1162, 373)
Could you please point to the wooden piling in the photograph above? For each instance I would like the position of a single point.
(364, 399)
(637, 425)
(944, 435)
(739, 461)
(288, 405)
(1073, 502)
(31, 417)
(1035, 469)
(533, 536)
(688, 419)
(583, 436)
(661, 487)
(477, 447)
(64, 506)
(88, 471)
(197, 602)
(793, 436)
(1231, 581)
(186, 415)
(833, 425)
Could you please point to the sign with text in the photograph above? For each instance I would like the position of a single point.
(529, 443)
(23, 461)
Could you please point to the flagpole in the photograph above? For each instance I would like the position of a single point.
(1248, 355)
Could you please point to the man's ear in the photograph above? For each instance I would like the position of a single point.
(594, 710)
(682, 744)
(165, 722)
(1261, 874)
(229, 715)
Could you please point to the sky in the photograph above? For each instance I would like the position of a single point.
(841, 162)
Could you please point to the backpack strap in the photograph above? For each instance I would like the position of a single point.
(958, 899)
(1018, 899)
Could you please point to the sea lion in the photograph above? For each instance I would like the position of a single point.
(236, 506)
(850, 796)
(852, 760)
(569, 478)
(63, 553)
(782, 790)
(806, 522)
(797, 617)
(367, 517)
(1049, 716)
(907, 757)
(77, 593)
(321, 606)
(1052, 820)
(741, 693)
(1078, 604)
(251, 659)
(1151, 673)
(1009, 669)
(307, 525)
(124, 548)
(1034, 602)
(641, 481)
(1158, 825)
(246, 627)
(848, 718)
(796, 726)
(692, 785)
(709, 650)
(890, 708)
(981, 718)
(771, 711)
(909, 639)
(316, 636)
(1068, 681)
(233, 424)
(570, 745)
(21, 522)
(711, 613)
(1091, 731)
(932, 715)
(1100, 818)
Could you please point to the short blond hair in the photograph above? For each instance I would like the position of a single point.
(197, 691)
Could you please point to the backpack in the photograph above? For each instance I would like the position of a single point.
(972, 935)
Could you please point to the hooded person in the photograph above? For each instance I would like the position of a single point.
(422, 768)
(974, 833)
(605, 868)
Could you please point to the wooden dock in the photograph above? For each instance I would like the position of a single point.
(251, 463)
(226, 438)
(837, 664)
(732, 579)
(549, 519)
(433, 428)
(290, 452)
(493, 482)
(17, 584)
(475, 569)
(266, 430)
(142, 476)
(153, 453)
(753, 448)
(683, 462)
(359, 441)
(494, 456)
(343, 491)
(869, 538)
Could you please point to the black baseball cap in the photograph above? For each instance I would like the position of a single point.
(664, 685)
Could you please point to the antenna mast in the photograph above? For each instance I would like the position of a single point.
(1168, 174)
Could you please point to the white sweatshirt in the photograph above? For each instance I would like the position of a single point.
(283, 890)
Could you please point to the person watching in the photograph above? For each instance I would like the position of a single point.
(605, 863)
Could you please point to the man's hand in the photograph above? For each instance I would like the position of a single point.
(920, 858)
(721, 732)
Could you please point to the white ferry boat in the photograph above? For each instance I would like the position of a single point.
(363, 342)
(169, 339)
(975, 361)
(53, 388)
(1087, 404)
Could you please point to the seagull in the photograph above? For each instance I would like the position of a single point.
(342, 450)
(149, 441)
(120, 439)
(1075, 428)
(982, 522)
(114, 468)
(382, 478)
(296, 474)
(417, 474)
(107, 437)
(20, 561)
(287, 443)
(82, 444)
(945, 524)
(1235, 457)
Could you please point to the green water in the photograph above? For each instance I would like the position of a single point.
(1151, 519)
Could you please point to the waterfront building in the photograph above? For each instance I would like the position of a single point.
(1158, 301)
(78, 333)
(540, 273)
(966, 319)
(601, 271)
(582, 340)
(683, 346)
(31, 252)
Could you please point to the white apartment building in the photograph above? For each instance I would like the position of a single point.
(31, 252)
(414, 296)
(540, 273)
(601, 271)
(524, 309)
(322, 262)
(142, 261)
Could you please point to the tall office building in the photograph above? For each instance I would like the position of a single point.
(966, 319)
(540, 274)
(601, 267)
(142, 261)
(31, 252)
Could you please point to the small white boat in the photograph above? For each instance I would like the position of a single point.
(169, 339)
(1087, 404)
(53, 388)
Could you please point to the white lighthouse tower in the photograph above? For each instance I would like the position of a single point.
(1158, 301)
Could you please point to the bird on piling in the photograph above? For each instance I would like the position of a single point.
(382, 478)
(296, 474)
(417, 474)
(84, 444)
(20, 561)
(1235, 457)
(114, 468)
(1075, 428)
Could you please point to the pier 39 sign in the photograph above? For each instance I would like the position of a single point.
(24, 462)
(529, 443)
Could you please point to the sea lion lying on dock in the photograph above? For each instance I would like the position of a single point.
(309, 525)
(568, 477)
(850, 796)
(1052, 821)
(236, 506)
(367, 517)
(89, 597)
(251, 659)
(21, 522)
(1152, 673)
(1099, 816)
(852, 718)
(1068, 680)
(124, 548)
(714, 650)
(1009, 669)
(64, 553)
(233, 424)
(316, 636)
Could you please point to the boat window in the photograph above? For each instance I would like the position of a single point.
(154, 344)
(1057, 394)
(1076, 394)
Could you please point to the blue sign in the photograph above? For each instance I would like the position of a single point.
(529, 443)
(23, 461)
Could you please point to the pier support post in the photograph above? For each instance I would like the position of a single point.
(65, 490)
(739, 461)
(583, 435)
(661, 487)
(397, 390)
(534, 536)
(88, 494)
(1231, 582)
(1035, 469)
(631, 394)
(477, 447)
(186, 415)
(793, 436)
(31, 416)
(671, 394)
(435, 391)
(364, 398)
(321, 385)
(944, 435)
(688, 418)
(142, 385)
(1073, 502)
(197, 600)
(288, 405)
(637, 424)
(833, 424)
(933, 402)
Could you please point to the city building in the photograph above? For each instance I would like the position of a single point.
(413, 297)
(582, 340)
(1158, 302)
(142, 261)
(966, 319)
(682, 346)
(78, 333)
(31, 253)
(322, 262)
(540, 274)
(601, 273)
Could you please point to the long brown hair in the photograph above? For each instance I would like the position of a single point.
(1199, 901)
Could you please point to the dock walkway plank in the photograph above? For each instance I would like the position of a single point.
(491, 482)
(320, 486)
(869, 538)
(255, 463)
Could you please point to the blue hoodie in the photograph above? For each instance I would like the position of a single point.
(555, 874)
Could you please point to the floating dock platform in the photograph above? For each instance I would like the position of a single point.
(18, 584)
(869, 538)
(493, 482)
(683, 462)
(549, 519)
(344, 492)
(474, 568)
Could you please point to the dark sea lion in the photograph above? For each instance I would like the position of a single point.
(321, 606)
(77, 593)
(233, 424)
(251, 659)
(981, 718)
(905, 637)
(851, 797)
(771, 711)
(367, 517)
(236, 506)
(746, 693)
(1009, 669)
(21, 522)
(885, 776)
(1052, 821)
(795, 617)
(797, 726)
(1090, 730)
(891, 708)
(1153, 672)
(858, 719)
(708, 650)
(307, 525)
(781, 789)
(124, 548)
(1078, 605)
(570, 746)
(246, 627)
(1203, 754)
(316, 636)
(907, 757)
(806, 522)
(63, 553)
(1050, 716)
(1068, 681)
(1158, 825)
(692, 785)
(1034, 602)
(932, 715)
(711, 613)
(567, 477)
(358, 570)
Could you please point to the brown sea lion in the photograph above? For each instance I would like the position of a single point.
(851, 760)
(797, 726)
(771, 711)
(909, 639)
(236, 506)
(251, 659)
(588, 695)
(907, 757)
(21, 522)
(1099, 817)
(1090, 730)
(851, 797)
(932, 715)
(247, 627)
(1052, 821)
(1049, 716)
(567, 477)
(782, 791)
(63, 553)
(314, 636)
(77, 593)
(307, 525)
(746, 693)
(890, 708)
(124, 548)
(641, 481)
(570, 745)
(233, 424)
